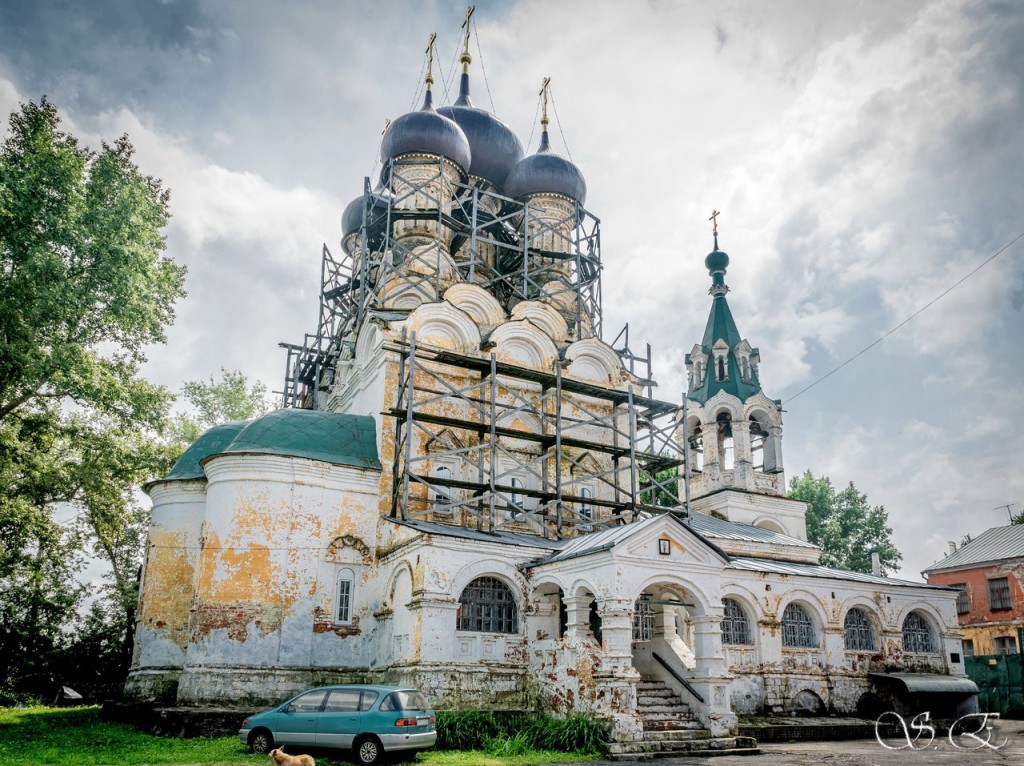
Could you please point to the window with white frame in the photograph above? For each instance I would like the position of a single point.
(346, 594)
(1006, 644)
(516, 498)
(488, 606)
(860, 633)
(586, 508)
(917, 634)
(735, 623)
(442, 493)
(798, 628)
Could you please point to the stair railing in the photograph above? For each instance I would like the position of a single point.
(686, 684)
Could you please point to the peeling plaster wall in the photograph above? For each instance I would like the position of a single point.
(264, 591)
(982, 625)
(165, 595)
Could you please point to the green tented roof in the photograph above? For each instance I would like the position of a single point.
(210, 443)
(326, 436)
(721, 325)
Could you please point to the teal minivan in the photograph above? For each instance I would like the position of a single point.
(364, 719)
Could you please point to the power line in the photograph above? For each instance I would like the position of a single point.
(928, 305)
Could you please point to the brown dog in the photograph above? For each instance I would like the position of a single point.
(281, 758)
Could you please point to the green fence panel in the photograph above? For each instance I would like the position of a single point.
(1000, 680)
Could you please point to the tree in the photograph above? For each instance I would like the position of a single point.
(84, 289)
(846, 527)
(214, 402)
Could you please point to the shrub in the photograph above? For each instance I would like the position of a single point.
(507, 734)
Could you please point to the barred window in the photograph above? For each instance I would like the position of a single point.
(643, 619)
(797, 628)
(917, 636)
(735, 625)
(999, 594)
(963, 604)
(346, 590)
(487, 606)
(860, 634)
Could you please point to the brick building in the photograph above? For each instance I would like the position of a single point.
(989, 572)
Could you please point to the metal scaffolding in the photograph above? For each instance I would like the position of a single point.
(494, 242)
(511, 448)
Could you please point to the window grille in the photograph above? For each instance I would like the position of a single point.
(963, 604)
(1006, 645)
(860, 634)
(999, 594)
(797, 628)
(917, 636)
(346, 580)
(643, 619)
(735, 625)
(487, 606)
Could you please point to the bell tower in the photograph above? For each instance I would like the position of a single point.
(734, 429)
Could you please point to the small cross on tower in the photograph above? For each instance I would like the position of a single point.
(714, 222)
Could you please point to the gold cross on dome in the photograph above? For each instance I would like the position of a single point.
(429, 80)
(544, 95)
(387, 124)
(465, 25)
(714, 221)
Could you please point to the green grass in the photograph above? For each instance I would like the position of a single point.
(40, 736)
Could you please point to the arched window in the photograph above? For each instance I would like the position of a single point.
(735, 625)
(346, 594)
(917, 635)
(696, 449)
(586, 509)
(442, 496)
(725, 445)
(860, 634)
(721, 368)
(758, 434)
(798, 628)
(487, 606)
(516, 497)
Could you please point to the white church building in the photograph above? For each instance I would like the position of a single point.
(470, 491)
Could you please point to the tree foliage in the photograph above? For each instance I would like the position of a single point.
(846, 527)
(214, 401)
(84, 289)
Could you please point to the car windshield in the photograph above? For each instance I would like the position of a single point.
(404, 700)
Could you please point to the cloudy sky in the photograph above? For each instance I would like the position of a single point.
(866, 156)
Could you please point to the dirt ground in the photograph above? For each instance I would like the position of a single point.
(1008, 736)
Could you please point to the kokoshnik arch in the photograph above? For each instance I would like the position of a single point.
(468, 490)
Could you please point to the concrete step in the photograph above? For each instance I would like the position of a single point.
(712, 746)
(674, 735)
(670, 724)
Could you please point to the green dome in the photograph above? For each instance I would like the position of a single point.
(210, 443)
(716, 261)
(326, 436)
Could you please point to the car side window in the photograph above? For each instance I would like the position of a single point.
(308, 703)
(367, 700)
(342, 701)
(389, 704)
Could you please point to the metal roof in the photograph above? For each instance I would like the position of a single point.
(731, 530)
(996, 544)
(815, 570)
(504, 538)
(210, 443)
(933, 683)
(598, 541)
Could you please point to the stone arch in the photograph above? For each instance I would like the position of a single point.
(490, 568)
(932, 614)
(369, 340)
(395, 581)
(405, 295)
(339, 544)
(771, 524)
(593, 359)
(806, 702)
(525, 344)
(482, 307)
(443, 325)
(808, 600)
(702, 603)
(723, 402)
(543, 316)
(870, 609)
(581, 586)
(932, 621)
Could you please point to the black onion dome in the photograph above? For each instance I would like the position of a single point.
(426, 132)
(352, 219)
(546, 172)
(495, 148)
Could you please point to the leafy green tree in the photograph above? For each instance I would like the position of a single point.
(232, 397)
(84, 289)
(846, 527)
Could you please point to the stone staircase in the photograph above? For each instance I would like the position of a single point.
(671, 729)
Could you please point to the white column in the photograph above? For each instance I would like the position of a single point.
(711, 676)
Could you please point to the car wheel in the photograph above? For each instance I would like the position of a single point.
(261, 742)
(368, 751)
